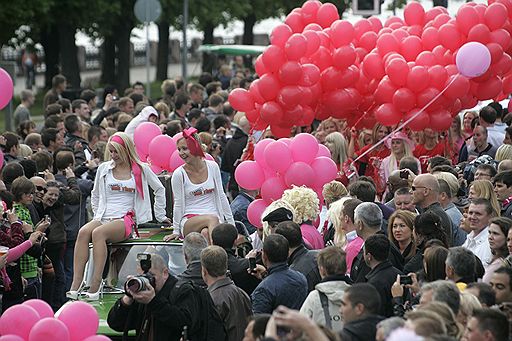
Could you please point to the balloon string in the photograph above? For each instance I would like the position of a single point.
(364, 114)
(401, 126)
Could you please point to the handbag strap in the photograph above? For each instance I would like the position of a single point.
(325, 306)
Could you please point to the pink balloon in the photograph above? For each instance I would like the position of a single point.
(49, 329)
(7, 88)
(324, 169)
(273, 189)
(98, 338)
(175, 161)
(81, 319)
(473, 59)
(156, 169)
(278, 156)
(177, 137)
(304, 147)
(18, 320)
(143, 135)
(161, 149)
(249, 175)
(11, 337)
(323, 151)
(299, 174)
(42, 308)
(254, 212)
(259, 152)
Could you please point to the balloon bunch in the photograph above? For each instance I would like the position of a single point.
(34, 321)
(157, 149)
(319, 66)
(279, 165)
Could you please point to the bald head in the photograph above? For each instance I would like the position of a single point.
(244, 124)
(38, 181)
(427, 180)
(505, 165)
(425, 190)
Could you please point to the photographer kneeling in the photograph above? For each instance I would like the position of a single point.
(154, 306)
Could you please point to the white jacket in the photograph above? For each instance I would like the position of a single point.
(312, 307)
(143, 116)
(221, 202)
(142, 206)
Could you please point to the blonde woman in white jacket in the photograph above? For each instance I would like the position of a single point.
(200, 203)
(120, 199)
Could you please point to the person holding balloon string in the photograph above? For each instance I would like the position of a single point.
(200, 203)
(120, 199)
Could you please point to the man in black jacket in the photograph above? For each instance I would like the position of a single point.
(225, 235)
(193, 244)
(160, 312)
(299, 258)
(359, 308)
(368, 220)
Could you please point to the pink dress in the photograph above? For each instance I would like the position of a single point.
(312, 236)
(352, 249)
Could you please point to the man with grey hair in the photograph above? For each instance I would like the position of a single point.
(441, 291)
(387, 326)
(193, 244)
(22, 112)
(460, 266)
(231, 302)
(368, 219)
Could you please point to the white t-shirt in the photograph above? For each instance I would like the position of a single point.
(120, 196)
(199, 198)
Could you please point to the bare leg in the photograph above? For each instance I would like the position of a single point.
(81, 255)
(110, 232)
(198, 223)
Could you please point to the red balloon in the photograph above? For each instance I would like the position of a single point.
(312, 27)
(456, 87)
(503, 66)
(271, 112)
(404, 100)
(432, 13)
(420, 122)
(496, 52)
(269, 86)
(372, 66)
(294, 20)
(450, 37)
(440, 120)
(310, 75)
(309, 11)
(425, 98)
(338, 99)
(292, 116)
(385, 91)
(290, 73)
(273, 57)
(330, 78)
(313, 42)
(417, 80)
(467, 18)
(296, 47)
(387, 43)
(279, 131)
(344, 57)
(322, 58)
(241, 100)
(489, 89)
(361, 27)
(259, 66)
(426, 58)
(411, 48)
(480, 33)
(440, 20)
(414, 14)
(289, 96)
(397, 71)
(327, 14)
(280, 35)
(495, 16)
(252, 116)
(392, 20)
(255, 92)
(430, 38)
(501, 37)
(375, 23)
(388, 115)
(507, 85)
(439, 53)
(438, 76)
(400, 34)
(368, 40)
(341, 33)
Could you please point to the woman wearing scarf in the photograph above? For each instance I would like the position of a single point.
(200, 203)
(120, 200)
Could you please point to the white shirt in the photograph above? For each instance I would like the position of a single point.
(200, 198)
(121, 196)
(495, 136)
(479, 245)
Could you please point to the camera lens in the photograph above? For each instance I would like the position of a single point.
(138, 283)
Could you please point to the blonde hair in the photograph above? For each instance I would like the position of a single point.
(485, 189)
(468, 304)
(329, 120)
(504, 152)
(451, 180)
(392, 158)
(272, 207)
(163, 109)
(333, 191)
(453, 328)
(126, 153)
(124, 117)
(304, 201)
(206, 138)
(339, 143)
(335, 216)
(361, 137)
(24, 151)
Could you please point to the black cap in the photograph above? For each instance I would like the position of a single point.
(279, 215)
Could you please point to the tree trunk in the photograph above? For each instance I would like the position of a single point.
(68, 55)
(208, 58)
(249, 22)
(123, 55)
(162, 60)
(50, 42)
(108, 61)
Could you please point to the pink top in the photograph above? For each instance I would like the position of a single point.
(312, 236)
(18, 251)
(352, 249)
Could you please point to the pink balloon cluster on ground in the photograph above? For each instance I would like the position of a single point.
(319, 66)
(281, 164)
(34, 321)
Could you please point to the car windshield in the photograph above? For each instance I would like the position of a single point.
(122, 262)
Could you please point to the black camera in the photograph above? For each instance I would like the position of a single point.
(141, 282)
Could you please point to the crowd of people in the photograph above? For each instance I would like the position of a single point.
(413, 238)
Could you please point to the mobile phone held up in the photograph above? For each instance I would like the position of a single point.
(252, 264)
(405, 280)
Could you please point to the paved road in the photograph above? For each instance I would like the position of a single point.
(136, 74)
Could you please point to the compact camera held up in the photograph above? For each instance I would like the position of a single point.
(141, 282)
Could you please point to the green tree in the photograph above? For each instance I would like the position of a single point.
(171, 11)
